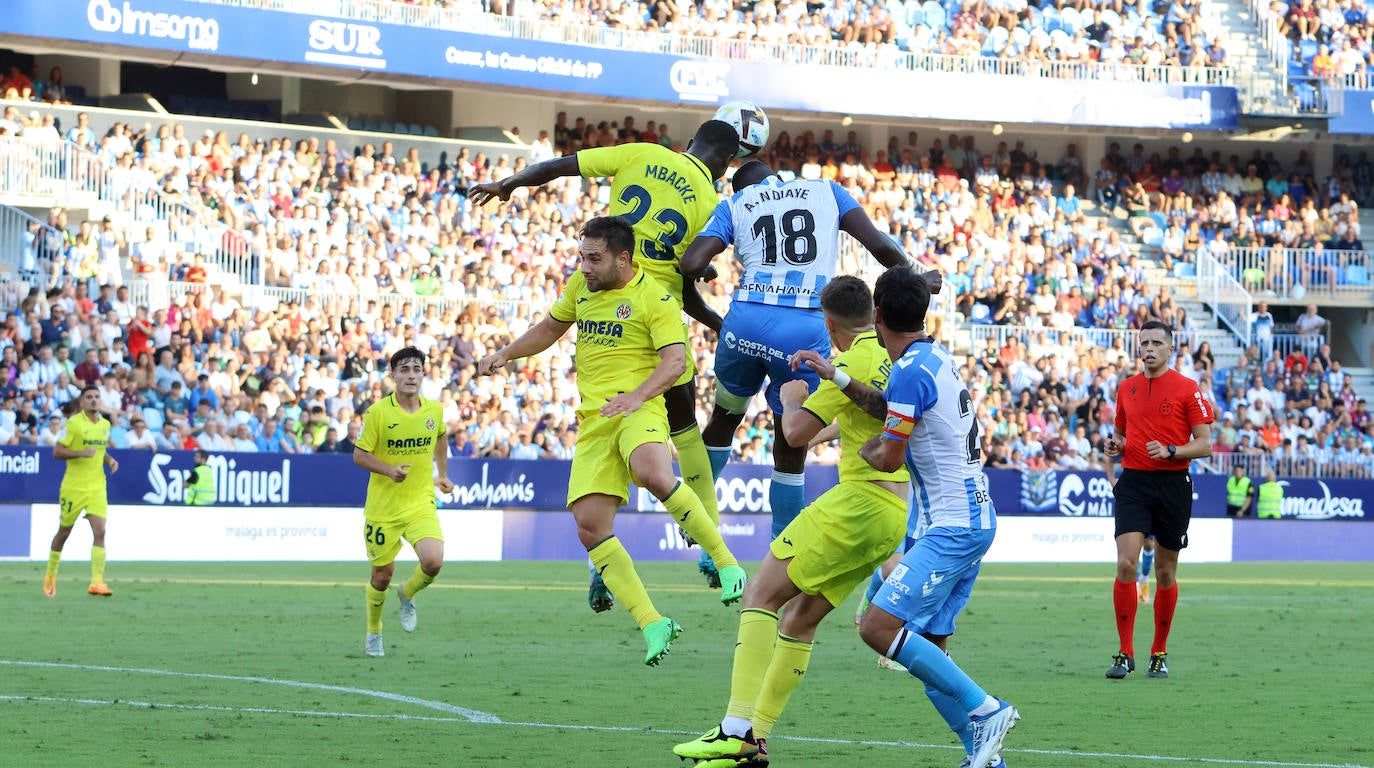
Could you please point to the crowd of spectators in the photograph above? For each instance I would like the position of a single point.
(1159, 33)
(382, 250)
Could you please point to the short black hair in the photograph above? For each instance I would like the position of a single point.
(90, 388)
(1155, 325)
(615, 230)
(406, 353)
(750, 173)
(903, 296)
(848, 298)
(716, 134)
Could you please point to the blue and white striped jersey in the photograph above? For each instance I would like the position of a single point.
(786, 235)
(929, 407)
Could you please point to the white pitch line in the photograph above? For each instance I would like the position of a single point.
(471, 715)
(483, 718)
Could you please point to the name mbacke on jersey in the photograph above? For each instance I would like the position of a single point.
(786, 238)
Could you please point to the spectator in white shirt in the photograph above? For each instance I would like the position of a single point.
(140, 436)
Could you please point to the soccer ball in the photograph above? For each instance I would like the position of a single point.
(750, 122)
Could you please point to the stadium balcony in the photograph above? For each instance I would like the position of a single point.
(919, 32)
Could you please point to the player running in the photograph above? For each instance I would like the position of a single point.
(399, 430)
(821, 555)
(667, 197)
(83, 443)
(931, 427)
(786, 237)
(629, 337)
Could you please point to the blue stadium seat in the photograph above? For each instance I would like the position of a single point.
(1111, 18)
(935, 15)
(1070, 20)
(1153, 237)
(417, 130)
(915, 17)
(1050, 19)
(369, 124)
(431, 131)
(1185, 271)
(153, 416)
(354, 124)
(1355, 274)
(995, 41)
(1160, 221)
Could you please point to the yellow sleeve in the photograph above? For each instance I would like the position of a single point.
(827, 401)
(604, 161)
(564, 310)
(663, 317)
(372, 427)
(70, 435)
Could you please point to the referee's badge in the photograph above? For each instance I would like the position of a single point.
(623, 311)
(429, 425)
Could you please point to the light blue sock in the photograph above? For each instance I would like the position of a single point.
(875, 582)
(719, 458)
(787, 496)
(953, 712)
(933, 667)
(1147, 561)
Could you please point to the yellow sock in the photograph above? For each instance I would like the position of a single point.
(375, 599)
(685, 507)
(54, 557)
(695, 465)
(618, 571)
(97, 565)
(753, 649)
(785, 673)
(417, 581)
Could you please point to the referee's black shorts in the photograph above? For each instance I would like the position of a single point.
(1156, 503)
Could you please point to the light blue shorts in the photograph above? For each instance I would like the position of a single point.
(756, 341)
(933, 582)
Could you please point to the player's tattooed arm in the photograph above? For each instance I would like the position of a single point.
(870, 400)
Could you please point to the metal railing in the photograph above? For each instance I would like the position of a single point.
(59, 173)
(1267, 27)
(1324, 464)
(29, 247)
(159, 294)
(1229, 300)
(1278, 271)
(1122, 340)
(470, 17)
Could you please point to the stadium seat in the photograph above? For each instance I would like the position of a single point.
(154, 418)
(1051, 20)
(1153, 237)
(1355, 274)
(431, 131)
(1159, 219)
(1185, 271)
(981, 315)
(995, 41)
(1111, 18)
(1020, 38)
(915, 17)
(1070, 21)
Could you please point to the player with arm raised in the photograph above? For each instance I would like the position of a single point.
(931, 427)
(786, 237)
(821, 555)
(629, 338)
(402, 433)
(667, 198)
(82, 443)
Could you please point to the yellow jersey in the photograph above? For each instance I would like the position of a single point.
(866, 361)
(78, 434)
(666, 196)
(395, 436)
(619, 334)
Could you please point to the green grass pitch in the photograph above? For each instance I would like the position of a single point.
(261, 665)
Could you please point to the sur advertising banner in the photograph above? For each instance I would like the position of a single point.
(297, 38)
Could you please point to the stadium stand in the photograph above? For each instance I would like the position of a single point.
(1051, 285)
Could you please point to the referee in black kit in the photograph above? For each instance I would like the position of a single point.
(1162, 424)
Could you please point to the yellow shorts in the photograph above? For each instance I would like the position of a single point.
(837, 541)
(601, 463)
(93, 503)
(383, 537)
